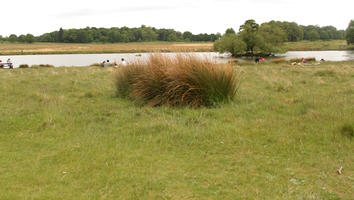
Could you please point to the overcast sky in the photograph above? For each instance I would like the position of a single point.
(198, 16)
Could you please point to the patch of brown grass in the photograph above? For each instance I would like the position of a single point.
(175, 81)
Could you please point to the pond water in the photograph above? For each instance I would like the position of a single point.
(88, 59)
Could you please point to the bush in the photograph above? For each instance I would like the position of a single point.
(24, 66)
(310, 59)
(279, 60)
(46, 65)
(96, 65)
(42, 65)
(348, 130)
(125, 78)
(180, 81)
(296, 60)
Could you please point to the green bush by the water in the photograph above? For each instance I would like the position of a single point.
(24, 66)
(42, 65)
(183, 80)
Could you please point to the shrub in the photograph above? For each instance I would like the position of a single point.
(42, 65)
(182, 80)
(279, 60)
(125, 78)
(347, 130)
(24, 66)
(296, 60)
(46, 65)
(310, 59)
(95, 65)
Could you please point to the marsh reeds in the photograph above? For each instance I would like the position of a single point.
(177, 81)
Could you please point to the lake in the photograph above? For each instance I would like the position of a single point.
(88, 59)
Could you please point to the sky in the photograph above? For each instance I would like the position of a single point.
(198, 16)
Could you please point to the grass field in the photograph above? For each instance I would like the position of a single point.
(68, 48)
(60, 48)
(64, 135)
(306, 45)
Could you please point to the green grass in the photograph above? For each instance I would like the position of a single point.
(65, 135)
(319, 45)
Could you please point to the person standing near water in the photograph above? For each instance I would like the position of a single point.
(1, 64)
(9, 63)
(256, 60)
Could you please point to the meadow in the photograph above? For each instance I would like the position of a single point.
(75, 48)
(90, 48)
(64, 134)
(319, 45)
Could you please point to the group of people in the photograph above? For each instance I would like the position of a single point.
(9, 64)
(106, 63)
(304, 62)
(257, 59)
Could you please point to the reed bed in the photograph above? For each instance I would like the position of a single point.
(184, 80)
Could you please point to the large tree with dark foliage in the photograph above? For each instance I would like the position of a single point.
(350, 33)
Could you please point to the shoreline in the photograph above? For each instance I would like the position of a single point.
(11, 49)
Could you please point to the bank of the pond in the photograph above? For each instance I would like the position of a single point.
(88, 59)
(143, 47)
(63, 133)
(96, 48)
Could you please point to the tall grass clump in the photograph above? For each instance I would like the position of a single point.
(125, 78)
(184, 80)
(279, 60)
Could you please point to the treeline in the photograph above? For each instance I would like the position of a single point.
(292, 30)
(253, 39)
(297, 32)
(114, 35)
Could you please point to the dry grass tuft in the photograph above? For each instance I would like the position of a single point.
(279, 60)
(177, 81)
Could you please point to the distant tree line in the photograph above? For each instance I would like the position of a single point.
(114, 35)
(254, 39)
(292, 33)
(350, 33)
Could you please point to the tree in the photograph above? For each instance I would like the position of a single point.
(60, 35)
(230, 31)
(148, 34)
(252, 40)
(230, 43)
(313, 35)
(21, 38)
(12, 38)
(187, 36)
(350, 33)
(29, 38)
(272, 38)
(249, 34)
(293, 30)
